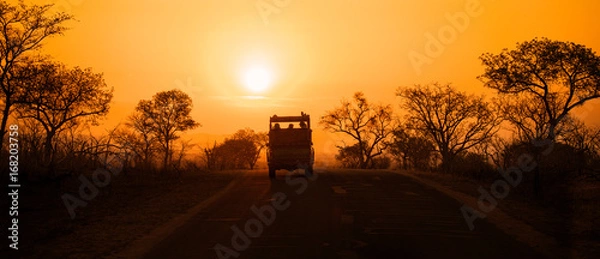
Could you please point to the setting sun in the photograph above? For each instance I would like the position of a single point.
(257, 79)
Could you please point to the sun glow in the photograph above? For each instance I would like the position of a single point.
(257, 79)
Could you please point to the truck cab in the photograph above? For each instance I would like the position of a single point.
(290, 144)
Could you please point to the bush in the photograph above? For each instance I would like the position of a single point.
(474, 166)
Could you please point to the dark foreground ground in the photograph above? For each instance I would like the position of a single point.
(335, 214)
(127, 208)
(340, 214)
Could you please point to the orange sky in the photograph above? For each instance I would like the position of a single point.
(317, 50)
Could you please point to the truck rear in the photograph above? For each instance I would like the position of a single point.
(290, 144)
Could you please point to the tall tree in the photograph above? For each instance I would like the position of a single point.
(235, 153)
(240, 151)
(369, 125)
(453, 120)
(165, 115)
(24, 28)
(59, 98)
(258, 139)
(553, 76)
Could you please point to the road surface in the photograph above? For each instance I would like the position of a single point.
(336, 214)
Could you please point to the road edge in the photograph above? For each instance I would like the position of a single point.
(518, 229)
(140, 246)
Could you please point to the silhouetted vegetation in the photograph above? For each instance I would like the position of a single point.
(537, 85)
(543, 81)
(411, 149)
(161, 119)
(241, 151)
(454, 121)
(59, 98)
(349, 156)
(54, 106)
(367, 124)
(540, 83)
(25, 27)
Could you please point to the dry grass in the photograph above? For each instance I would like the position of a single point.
(585, 221)
(571, 216)
(128, 208)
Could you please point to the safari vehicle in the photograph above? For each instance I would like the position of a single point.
(290, 144)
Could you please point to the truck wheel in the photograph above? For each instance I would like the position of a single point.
(271, 173)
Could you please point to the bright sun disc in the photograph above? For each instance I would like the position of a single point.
(257, 79)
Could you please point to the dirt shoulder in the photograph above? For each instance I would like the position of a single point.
(127, 209)
(555, 234)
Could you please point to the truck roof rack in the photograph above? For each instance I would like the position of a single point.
(302, 117)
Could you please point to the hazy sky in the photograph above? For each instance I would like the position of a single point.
(315, 51)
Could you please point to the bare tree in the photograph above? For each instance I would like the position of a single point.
(580, 136)
(369, 125)
(209, 156)
(140, 139)
(178, 164)
(167, 114)
(586, 143)
(453, 120)
(24, 28)
(78, 150)
(547, 78)
(59, 98)
(527, 117)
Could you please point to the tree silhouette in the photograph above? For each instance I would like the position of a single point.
(453, 120)
(349, 156)
(141, 139)
(552, 77)
(527, 116)
(167, 114)
(141, 145)
(240, 151)
(236, 154)
(259, 142)
(369, 125)
(24, 29)
(586, 143)
(411, 149)
(59, 98)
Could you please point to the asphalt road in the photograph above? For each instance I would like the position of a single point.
(340, 214)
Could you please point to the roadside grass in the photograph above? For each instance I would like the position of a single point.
(570, 213)
(131, 206)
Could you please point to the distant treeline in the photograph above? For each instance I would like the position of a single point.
(48, 108)
(537, 86)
